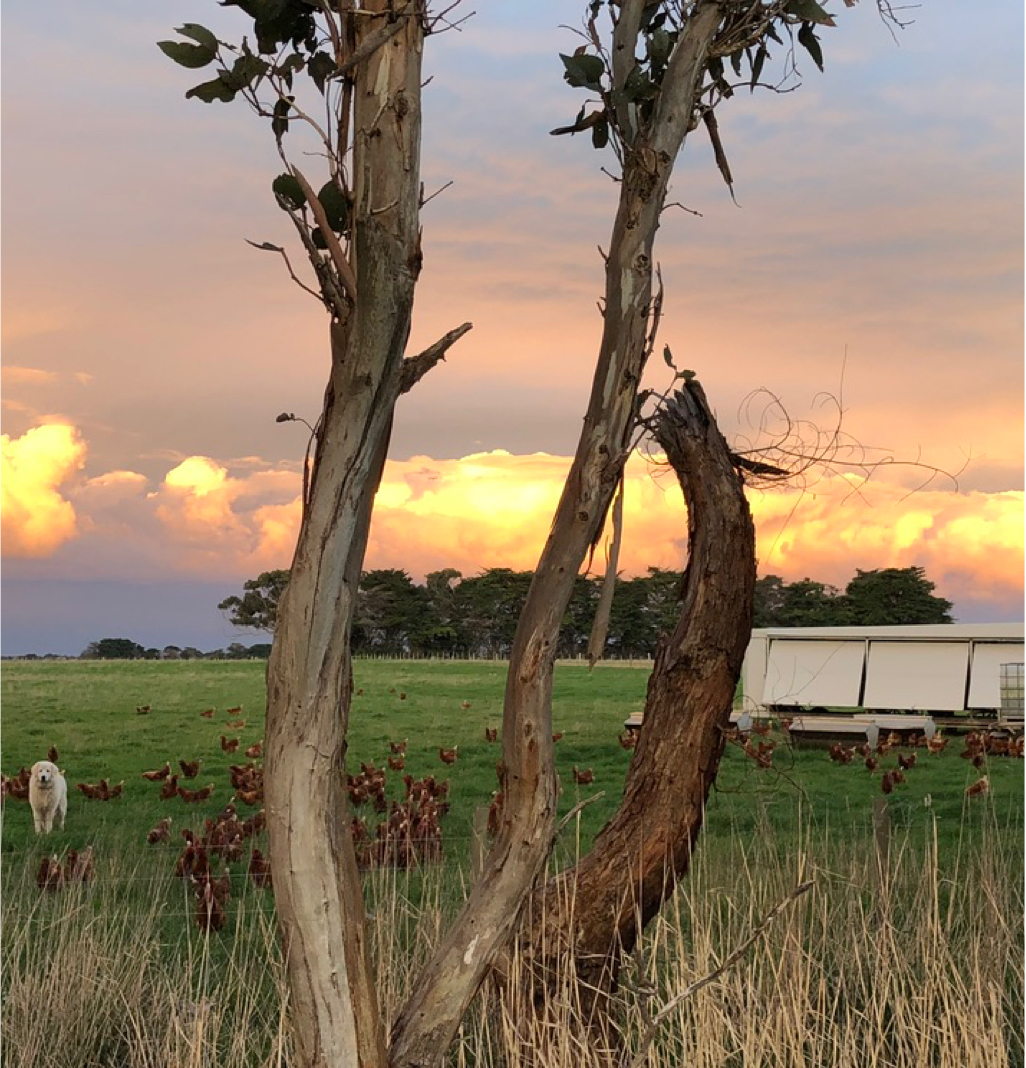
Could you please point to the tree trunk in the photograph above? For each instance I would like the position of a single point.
(333, 1004)
(424, 1029)
(589, 916)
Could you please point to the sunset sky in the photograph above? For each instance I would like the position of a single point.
(874, 254)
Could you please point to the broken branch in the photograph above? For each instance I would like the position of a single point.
(415, 367)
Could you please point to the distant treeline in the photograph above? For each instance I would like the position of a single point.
(126, 649)
(476, 617)
(449, 615)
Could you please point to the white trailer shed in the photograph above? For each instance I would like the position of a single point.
(946, 668)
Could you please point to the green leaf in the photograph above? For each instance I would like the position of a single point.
(288, 188)
(280, 116)
(320, 67)
(757, 64)
(668, 356)
(335, 205)
(639, 86)
(659, 45)
(246, 70)
(583, 71)
(810, 42)
(208, 92)
(318, 239)
(735, 61)
(192, 56)
(600, 133)
(810, 11)
(688, 375)
(198, 33)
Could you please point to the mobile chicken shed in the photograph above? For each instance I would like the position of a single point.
(945, 668)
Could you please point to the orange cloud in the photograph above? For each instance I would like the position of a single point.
(494, 509)
(19, 376)
(35, 519)
(213, 519)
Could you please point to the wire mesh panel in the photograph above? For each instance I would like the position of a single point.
(1012, 691)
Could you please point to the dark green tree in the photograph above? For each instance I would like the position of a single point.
(258, 605)
(446, 634)
(490, 605)
(392, 613)
(770, 593)
(811, 604)
(578, 619)
(114, 649)
(894, 596)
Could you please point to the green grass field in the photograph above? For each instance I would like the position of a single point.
(936, 938)
(87, 710)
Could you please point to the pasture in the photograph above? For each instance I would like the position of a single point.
(915, 961)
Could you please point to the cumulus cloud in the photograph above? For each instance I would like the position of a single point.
(215, 521)
(494, 509)
(36, 519)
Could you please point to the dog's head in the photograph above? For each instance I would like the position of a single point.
(44, 772)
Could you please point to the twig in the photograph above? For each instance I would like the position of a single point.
(435, 193)
(266, 246)
(415, 367)
(577, 808)
(650, 1032)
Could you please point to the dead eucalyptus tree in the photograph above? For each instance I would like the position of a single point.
(656, 72)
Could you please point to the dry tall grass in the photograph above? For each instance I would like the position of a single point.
(905, 964)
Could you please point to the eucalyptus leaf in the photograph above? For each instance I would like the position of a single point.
(583, 71)
(639, 86)
(288, 188)
(335, 205)
(659, 45)
(600, 133)
(246, 70)
(280, 116)
(208, 92)
(809, 10)
(199, 34)
(192, 56)
(810, 42)
(320, 67)
(757, 64)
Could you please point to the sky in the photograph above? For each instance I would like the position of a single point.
(872, 267)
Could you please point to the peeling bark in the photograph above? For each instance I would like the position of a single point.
(333, 1002)
(424, 1029)
(585, 919)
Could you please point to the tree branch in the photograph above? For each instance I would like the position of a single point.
(371, 43)
(416, 367)
(342, 265)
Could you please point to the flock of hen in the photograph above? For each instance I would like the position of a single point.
(411, 833)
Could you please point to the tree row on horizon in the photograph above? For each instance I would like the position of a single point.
(452, 615)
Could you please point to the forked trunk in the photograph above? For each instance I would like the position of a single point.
(587, 917)
(425, 1028)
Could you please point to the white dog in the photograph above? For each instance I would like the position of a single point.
(48, 796)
